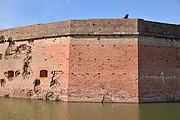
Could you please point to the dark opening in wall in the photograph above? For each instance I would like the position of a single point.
(10, 73)
(0, 56)
(43, 73)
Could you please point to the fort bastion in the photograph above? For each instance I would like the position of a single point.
(94, 60)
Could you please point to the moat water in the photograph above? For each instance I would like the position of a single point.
(22, 109)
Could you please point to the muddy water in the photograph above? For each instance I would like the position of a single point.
(22, 109)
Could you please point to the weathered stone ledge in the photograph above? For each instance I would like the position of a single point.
(94, 27)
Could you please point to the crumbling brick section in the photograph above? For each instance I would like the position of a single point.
(27, 60)
(55, 77)
(23, 50)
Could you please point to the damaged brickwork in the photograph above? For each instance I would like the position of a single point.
(2, 39)
(3, 82)
(23, 50)
(94, 60)
(55, 77)
(27, 60)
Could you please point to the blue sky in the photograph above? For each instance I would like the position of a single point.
(15, 13)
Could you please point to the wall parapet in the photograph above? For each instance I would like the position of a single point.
(73, 27)
(107, 27)
(149, 28)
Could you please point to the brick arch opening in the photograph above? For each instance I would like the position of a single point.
(10, 73)
(43, 73)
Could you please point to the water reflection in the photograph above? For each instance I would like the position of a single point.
(159, 111)
(21, 109)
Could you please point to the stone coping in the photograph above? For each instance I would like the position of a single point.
(89, 27)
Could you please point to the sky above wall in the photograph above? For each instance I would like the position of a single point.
(15, 13)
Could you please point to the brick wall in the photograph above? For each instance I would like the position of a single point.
(159, 69)
(149, 28)
(103, 69)
(45, 54)
(73, 27)
(94, 60)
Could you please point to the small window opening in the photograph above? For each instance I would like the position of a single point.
(43, 73)
(10, 73)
